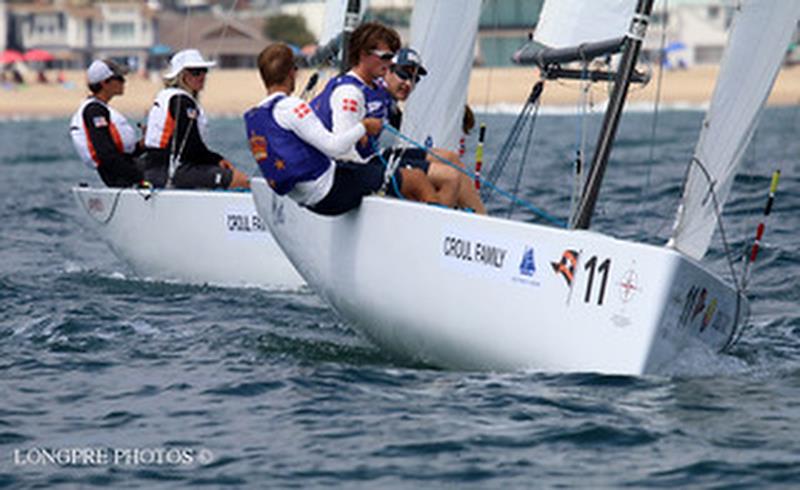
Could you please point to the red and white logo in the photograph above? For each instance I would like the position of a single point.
(350, 105)
(301, 111)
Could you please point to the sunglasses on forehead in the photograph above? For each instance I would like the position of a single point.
(383, 55)
(196, 72)
(406, 75)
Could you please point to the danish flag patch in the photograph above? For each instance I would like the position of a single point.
(350, 105)
(302, 111)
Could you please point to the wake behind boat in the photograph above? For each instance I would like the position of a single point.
(192, 236)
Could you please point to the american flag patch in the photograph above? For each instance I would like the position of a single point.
(350, 105)
(302, 111)
(100, 122)
(191, 113)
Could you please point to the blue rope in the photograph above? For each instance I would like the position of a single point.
(538, 212)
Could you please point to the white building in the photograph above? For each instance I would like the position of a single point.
(76, 33)
(696, 30)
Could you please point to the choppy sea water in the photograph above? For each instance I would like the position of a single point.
(111, 380)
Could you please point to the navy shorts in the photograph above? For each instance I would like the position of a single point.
(351, 182)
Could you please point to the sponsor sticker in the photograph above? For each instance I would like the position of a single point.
(243, 223)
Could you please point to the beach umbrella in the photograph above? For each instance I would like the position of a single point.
(38, 55)
(10, 56)
(160, 50)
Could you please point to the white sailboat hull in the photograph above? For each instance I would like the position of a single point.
(199, 237)
(463, 291)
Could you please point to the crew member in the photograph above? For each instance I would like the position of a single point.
(101, 135)
(177, 154)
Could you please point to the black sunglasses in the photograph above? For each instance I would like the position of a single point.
(405, 75)
(196, 72)
(383, 55)
(118, 78)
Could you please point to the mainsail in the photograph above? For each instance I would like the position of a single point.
(756, 47)
(443, 32)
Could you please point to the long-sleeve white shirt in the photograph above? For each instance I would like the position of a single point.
(293, 114)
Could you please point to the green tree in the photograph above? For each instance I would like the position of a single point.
(289, 29)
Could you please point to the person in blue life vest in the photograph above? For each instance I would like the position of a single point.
(359, 93)
(177, 154)
(102, 136)
(399, 81)
(296, 153)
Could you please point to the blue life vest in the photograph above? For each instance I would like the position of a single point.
(377, 98)
(283, 157)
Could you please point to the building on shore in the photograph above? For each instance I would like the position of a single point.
(75, 32)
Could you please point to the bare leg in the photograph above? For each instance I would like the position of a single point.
(447, 181)
(416, 185)
(468, 196)
(239, 181)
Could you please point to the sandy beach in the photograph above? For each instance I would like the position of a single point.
(230, 92)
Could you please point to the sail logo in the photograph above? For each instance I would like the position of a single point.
(566, 266)
(528, 265)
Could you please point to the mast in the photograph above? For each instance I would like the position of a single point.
(633, 43)
(351, 18)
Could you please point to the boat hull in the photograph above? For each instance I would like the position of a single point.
(463, 291)
(198, 237)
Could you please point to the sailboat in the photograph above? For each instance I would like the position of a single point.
(189, 236)
(194, 236)
(463, 291)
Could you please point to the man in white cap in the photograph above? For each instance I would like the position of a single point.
(176, 127)
(101, 135)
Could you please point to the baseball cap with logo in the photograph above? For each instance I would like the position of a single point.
(409, 58)
(188, 58)
(101, 70)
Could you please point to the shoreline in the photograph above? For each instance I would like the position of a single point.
(231, 92)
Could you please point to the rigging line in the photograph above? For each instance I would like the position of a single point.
(654, 126)
(524, 157)
(580, 139)
(718, 215)
(536, 211)
(111, 214)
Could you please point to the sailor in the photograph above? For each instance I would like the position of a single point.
(295, 151)
(101, 135)
(177, 154)
(347, 99)
(399, 82)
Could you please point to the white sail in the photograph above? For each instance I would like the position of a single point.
(572, 22)
(758, 40)
(443, 32)
(335, 11)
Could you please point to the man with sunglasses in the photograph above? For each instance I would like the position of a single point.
(349, 98)
(400, 81)
(295, 152)
(102, 136)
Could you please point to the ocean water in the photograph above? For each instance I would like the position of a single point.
(109, 380)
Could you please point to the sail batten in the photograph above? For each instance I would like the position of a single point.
(756, 47)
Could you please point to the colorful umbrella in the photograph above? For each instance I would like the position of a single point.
(38, 55)
(10, 56)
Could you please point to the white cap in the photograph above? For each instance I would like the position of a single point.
(188, 58)
(101, 70)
